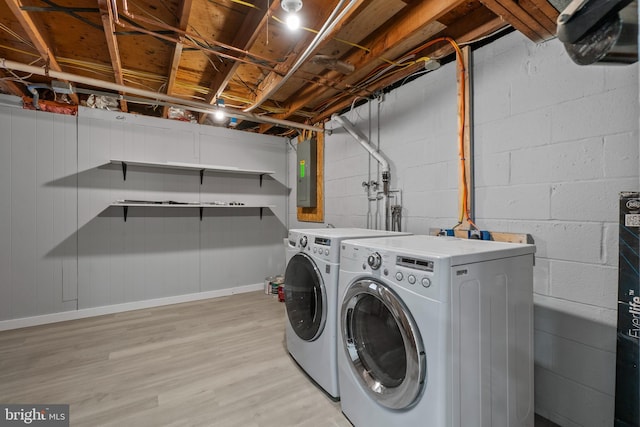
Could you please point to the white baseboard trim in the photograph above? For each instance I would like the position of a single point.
(44, 319)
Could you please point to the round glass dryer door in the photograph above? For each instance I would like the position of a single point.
(382, 344)
(305, 297)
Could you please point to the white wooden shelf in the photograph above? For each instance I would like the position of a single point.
(126, 204)
(190, 166)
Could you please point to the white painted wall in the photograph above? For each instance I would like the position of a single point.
(38, 211)
(159, 253)
(555, 143)
(64, 250)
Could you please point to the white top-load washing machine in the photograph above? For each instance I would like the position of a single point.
(436, 331)
(311, 299)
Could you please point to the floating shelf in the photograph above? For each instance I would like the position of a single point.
(190, 166)
(201, 206)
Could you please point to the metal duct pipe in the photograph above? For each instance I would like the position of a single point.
(354, 132)
(179, 102)
(384, 164)
(330, 23)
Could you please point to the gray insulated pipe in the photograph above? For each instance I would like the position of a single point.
(384, 164)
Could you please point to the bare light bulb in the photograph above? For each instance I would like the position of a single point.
(293, 21)
(219, 113)
(291, 7)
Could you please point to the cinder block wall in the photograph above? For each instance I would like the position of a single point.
(554, 144)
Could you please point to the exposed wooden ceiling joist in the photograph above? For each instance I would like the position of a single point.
(543, 12)
(520, 19)
(9, 86)
(183, 22)
(31, 28)
(112, 43)
(437, 51)
(396, 37)
(239, 50)
(275, 78)
(253, 24)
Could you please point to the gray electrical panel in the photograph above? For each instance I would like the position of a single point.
(306, 173)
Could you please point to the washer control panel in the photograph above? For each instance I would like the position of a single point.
(317, 246)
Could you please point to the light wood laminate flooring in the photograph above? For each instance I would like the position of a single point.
(217, 362)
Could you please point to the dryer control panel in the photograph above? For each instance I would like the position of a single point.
(417, 270)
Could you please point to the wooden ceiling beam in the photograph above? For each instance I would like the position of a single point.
(520, 19)
(108, 25)
(415, 23)
(543, 12)
(183, 21)
(547, 8)
(253, 24)
(9, 86)
(31, 28)
(274, 79)
(474, 33)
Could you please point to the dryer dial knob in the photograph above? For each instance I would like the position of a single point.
(303, 241)
(426, 282)
(374, 261)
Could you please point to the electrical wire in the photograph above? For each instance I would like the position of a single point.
(464, 190)
(464, 212)
(16, 36)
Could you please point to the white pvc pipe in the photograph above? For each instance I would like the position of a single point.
(179, 102)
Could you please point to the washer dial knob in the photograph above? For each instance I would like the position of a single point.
(303, 241)
(374, 261)
(426, 282)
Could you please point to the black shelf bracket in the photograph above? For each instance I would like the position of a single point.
(125, 211)
(201, 176)
(124, 171)
(201, 209)
(261, 175)
(261, 212)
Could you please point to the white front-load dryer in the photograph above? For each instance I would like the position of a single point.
(436, 331)
(311, 299)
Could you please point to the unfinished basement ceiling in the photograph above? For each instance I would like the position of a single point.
(240, 51)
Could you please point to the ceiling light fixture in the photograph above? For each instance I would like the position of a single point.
(291, 7)
(219, 114)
